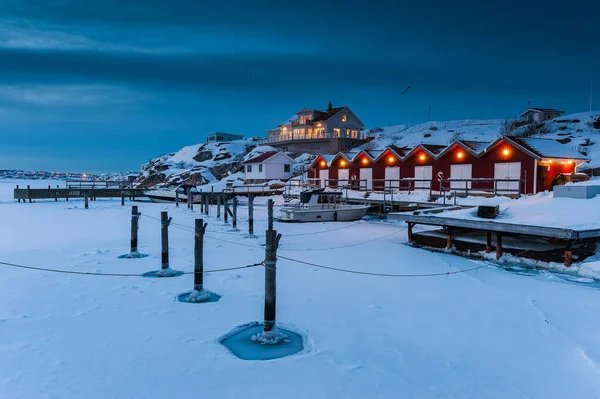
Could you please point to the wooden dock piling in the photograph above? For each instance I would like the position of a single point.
(199, 254)
(134, 228)
(164, 239)
(498, 245)
(250, 214)
(234, 216)
(272, 242)
(488, 245)
(568, 255)
(86, 196)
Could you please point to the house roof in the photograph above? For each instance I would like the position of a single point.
(434, 149)
(544, 110)
(327, 114)
(546, 148)
(476, 146)
(401, 152)
(262, 157)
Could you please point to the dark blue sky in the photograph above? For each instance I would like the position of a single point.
(107, 85)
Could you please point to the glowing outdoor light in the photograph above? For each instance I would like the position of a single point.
(392, 159)
(422, 157)
(365, 161)
(343, 163)
(506, 152)
(460, 155)
(323, 163)
(570, 162)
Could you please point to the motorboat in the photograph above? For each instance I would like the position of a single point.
(318, 205)
(170, 194)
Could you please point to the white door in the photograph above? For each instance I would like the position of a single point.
(366, 178)
(343, 177)
(392, 173)
(324, 177)
(423, 173)
(463, 171)
(507, 170)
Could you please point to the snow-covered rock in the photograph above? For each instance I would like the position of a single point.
(198, 164)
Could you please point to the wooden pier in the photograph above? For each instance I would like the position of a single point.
(569, 239)
(29, 194)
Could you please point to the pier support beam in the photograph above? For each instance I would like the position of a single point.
(448, 238)
(498, 246)
(488, 244)
(568, 255)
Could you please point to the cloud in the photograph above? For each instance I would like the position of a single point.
(67, 95)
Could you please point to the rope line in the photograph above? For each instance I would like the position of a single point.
(380, 274)
(193, 229)
(119, 274)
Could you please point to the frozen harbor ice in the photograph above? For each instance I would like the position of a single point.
(482, 334)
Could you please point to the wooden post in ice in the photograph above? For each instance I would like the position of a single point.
(134, 228)
(272, 242)
(498, 245)
(226, 210)
(176, 198)
(270, 214)
(164, 239)
(410, 233)
(568, 255)
(488, 244)
(18, 199)
(198, 254)
(28, 193)
(207, 199)
(189, 199)
(218, 206)
(251, 214)
(86, 199)
(234, 216)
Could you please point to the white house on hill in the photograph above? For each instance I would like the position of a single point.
(540, 114)
(272, 165)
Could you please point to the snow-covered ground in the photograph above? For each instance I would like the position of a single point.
(488, 333)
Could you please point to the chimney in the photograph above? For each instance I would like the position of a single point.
(330, 107)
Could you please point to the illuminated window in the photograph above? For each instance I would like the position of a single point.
(336, 132)
(344, 118)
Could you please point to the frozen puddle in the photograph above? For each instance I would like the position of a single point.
(198, 297)
(239, 341)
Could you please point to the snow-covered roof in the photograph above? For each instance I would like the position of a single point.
(543, 110)
(547, 148)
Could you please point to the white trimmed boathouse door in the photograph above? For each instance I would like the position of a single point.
(366, 177)
(507, 170)
(324, 177)
(461, 171)
(423, 173)
(392, 173)
(343, 177)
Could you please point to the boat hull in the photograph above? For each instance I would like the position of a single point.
(345, 214)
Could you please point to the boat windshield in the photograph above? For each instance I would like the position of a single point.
(329, 199)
